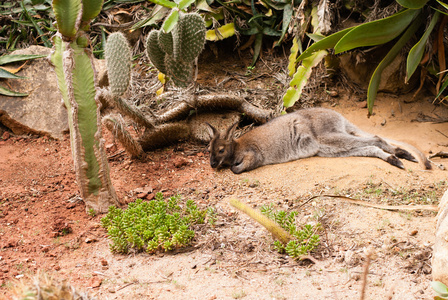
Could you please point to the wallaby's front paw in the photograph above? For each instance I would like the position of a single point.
(394, 161)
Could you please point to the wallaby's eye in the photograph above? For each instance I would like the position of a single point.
(221, 151)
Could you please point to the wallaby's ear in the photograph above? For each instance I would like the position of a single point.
(213, 131)
(230, 132)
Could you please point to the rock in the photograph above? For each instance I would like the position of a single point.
(104, 262)
(180, 162)
(42, 112)
(5, 135)
(95, 282)
(359, 66)
(440, 253)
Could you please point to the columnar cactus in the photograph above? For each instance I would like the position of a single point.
(173, 53)
(73, 63)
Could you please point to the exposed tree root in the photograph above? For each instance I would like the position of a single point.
(171, 126)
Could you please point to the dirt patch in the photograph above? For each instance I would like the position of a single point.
(44, 226)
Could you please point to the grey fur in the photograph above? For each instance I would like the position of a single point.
(304, 133)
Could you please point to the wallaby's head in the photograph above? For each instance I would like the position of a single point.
(222, 147)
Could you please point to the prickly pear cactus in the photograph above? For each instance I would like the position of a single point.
(165, 41)
(154, 52)
(118, 62)
(188, 37)
(180, 71)
(173, 53)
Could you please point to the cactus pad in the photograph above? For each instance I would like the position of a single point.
(188, 37)
(166, 42)
(179, 71)
(155, 54)
(118, 62)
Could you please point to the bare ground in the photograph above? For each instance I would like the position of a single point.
(234, 259)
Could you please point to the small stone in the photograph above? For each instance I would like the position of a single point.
(413, 232)
(333, 93)
(180, 162)
(70, 205)
(90, 240)
(104, 262)
(57, 268)
(111, 290)
(362, 104)
(95, 282)
(6, 135)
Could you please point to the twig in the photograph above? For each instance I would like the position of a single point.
(442, 133)
(379, 206)
(369, 254)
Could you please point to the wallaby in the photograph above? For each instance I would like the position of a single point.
(304, 133)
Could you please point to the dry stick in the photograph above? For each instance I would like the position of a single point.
(277, 231)
(386, 207)
(365, 273)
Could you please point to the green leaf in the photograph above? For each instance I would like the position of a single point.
(376, 77)
(220, 33)
(6, 92)
(165, 3)
(91, 9)
(301, 78)
(293, 57)
(439, 288)
(6, 74)
(376, 32)
(287, 15)
(171, 21)
(66, 13)
(257, 48)
(183, 4)
(414, 4)
(443, 87)
(6, 59)
(416, 53)
(443, 4)
(36, 26)
(326, 43)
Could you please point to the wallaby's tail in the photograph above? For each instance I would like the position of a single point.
(422, 159)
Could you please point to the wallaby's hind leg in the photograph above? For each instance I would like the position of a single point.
(370, 151)
(399, 152)
(344, 145)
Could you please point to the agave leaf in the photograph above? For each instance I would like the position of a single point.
(165, 3)
(376, 77)
(376, 32)
(439, 288)
(326, 43)
(66, 13)
(300, 78)
(287, 15)
(6, 74)
(442, 12)
(91, 9)
(171, 21)
(6, 59)
(257, 47)
(6, 92)
(220, 33)
(414, 4)
(416, 53)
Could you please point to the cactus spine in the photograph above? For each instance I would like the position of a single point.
(173, 53)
